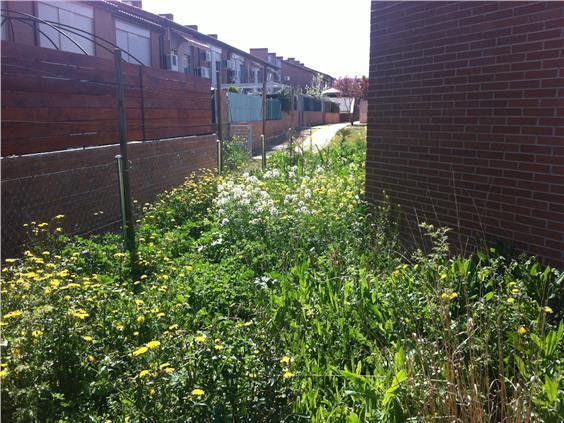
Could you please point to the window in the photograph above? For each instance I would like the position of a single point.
(187, 64)
(77, 16)
(135, 40)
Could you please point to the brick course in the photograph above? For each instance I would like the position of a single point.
(466, 119)
(81, 183)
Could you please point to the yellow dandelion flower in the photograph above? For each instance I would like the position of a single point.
(15, 313)
(3, 373)
(547, 309)
(444, 296)
(87, 338)
(152, 392)
(3, 365)
(119, 326)
(139, 302)
(143, 373)
(453, 296)
(59, 216)
(287, 374)
(36, 333)
(161, 314)
(140, 319)
(136, 333)
(10, 260)
(91, 358)
(153, 344)
(521, 330)
(79, 314)
(139, 351)
(218, 347)
(198, 392)
(200, 338)
(515, 290)
(285, 359)
(511, 300)
(169, 370)
(173, 327)
(164, 365)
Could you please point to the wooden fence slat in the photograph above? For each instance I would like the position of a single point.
(53, 100)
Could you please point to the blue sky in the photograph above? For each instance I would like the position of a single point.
(329, 36)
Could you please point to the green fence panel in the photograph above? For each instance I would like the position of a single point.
(245, 108)
(273, 109)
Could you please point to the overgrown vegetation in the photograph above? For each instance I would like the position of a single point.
(277, 296)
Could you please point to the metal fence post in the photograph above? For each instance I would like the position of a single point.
(123, 166)
(219, 156)
(263, 147)
(119, 161)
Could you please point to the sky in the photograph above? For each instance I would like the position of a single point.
(327, 35)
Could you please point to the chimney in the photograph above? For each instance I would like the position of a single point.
(194, 27)
(168, 16)
(213, 36)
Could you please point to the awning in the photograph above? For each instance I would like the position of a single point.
(189, 40)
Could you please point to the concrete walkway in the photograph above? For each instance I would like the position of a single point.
(316, 137)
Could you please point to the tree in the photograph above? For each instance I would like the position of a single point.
(317, 86)
(352, 90)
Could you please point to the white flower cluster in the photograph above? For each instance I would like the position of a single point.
(292, 171)
(246, 199)
(271, 174)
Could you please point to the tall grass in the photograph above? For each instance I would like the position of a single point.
(278, 296)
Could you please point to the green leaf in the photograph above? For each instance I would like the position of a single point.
(520, 366)
(489, 296)
(550, 388)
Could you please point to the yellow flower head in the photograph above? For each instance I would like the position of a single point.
(164, 365)
(198, 392)
(153, 344)
(36, 333)
(547, 309)
(218, 347)
(79, 314)
(87, 338)
(140, 319)
(515, 290)
(511, 300)
(287, 374)
(139, 302)
(521, 330)
(143, 373)
(13, 314)
(139, 351)
(200, 338)
(169, 370)
(91, 358)
(453, 296)
(285, 359)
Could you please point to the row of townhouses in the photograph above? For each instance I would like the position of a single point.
(152, 40)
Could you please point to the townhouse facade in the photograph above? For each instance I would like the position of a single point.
(96, 27)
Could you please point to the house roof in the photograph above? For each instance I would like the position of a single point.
(163, 24)
(301, 66)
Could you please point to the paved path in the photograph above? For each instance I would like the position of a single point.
(318, 136)
(321, 135)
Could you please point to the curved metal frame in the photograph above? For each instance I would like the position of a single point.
(62, 29)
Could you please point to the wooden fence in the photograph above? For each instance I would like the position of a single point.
(54, 100)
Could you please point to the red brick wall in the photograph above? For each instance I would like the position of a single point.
(313, 118)
(297, 74)
(331, 117)
(82, 183)
(466, 118)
